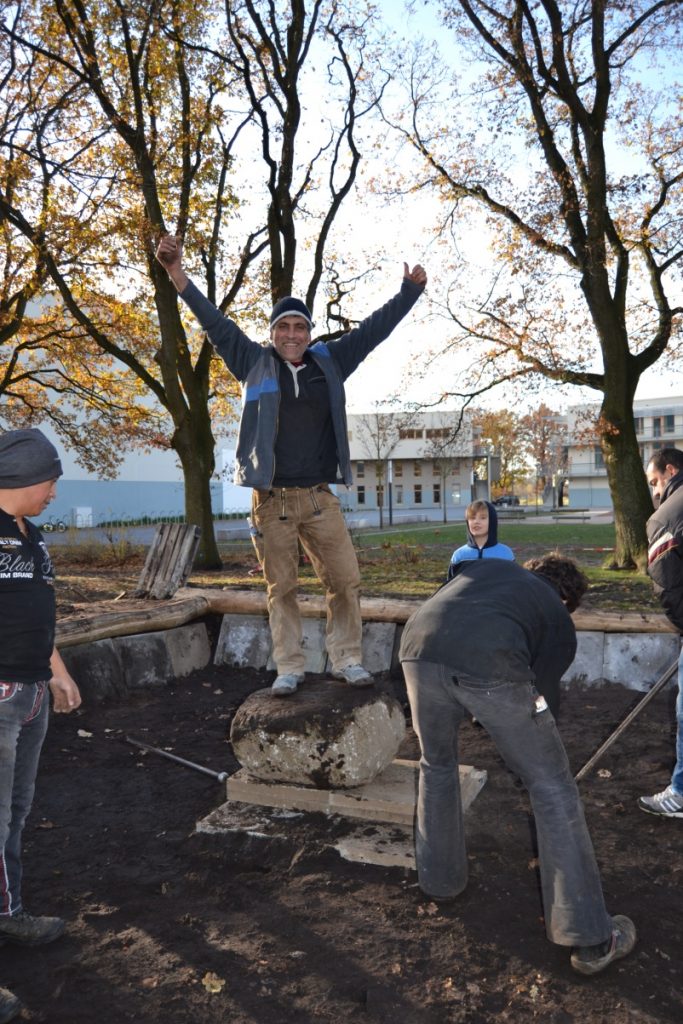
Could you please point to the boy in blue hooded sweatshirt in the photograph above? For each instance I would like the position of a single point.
(482, 537)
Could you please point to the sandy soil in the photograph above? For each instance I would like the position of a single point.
(166, 925)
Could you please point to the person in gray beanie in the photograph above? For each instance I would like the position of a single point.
(30, 666)
(293, 443)
(27, 457)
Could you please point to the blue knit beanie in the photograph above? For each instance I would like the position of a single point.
(289, 306)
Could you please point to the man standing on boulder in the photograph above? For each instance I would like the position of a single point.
(30, 665)
(292, 445)
(665, 567)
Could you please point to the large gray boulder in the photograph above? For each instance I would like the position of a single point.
(327, 735)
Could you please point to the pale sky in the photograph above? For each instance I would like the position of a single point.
(388, 371)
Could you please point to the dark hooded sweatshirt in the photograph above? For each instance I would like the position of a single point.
(498, 622)
(665, 550)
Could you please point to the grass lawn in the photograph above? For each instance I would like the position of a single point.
(413, 561)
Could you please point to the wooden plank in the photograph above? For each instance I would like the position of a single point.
(149, 567)
(390, 798)
(621, 622)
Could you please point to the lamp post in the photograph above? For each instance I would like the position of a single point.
(390, 481)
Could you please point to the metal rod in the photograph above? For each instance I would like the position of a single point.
(221, 776)
(661, 682)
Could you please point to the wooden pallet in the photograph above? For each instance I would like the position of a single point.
(169, 560)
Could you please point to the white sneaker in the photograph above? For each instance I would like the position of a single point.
(354, 675)
(668, 803)
(286, 684)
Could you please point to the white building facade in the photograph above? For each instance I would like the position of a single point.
(414, 466)
(658, 423)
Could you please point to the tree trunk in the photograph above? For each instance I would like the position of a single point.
(195, 447)
(627, 482)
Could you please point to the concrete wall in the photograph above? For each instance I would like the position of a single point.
(116, 667)
(635, 660)
(119, 666)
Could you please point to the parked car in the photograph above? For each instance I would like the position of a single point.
(506, 500)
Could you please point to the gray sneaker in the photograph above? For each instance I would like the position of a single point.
(354, 675)
(593, 959)
(668, 803)
(286, 684)
(28, 930)
(10, 1006)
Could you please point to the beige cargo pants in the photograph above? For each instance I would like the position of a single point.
(283, 516)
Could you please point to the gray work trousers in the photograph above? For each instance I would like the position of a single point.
(528, 741)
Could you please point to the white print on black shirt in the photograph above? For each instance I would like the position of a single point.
(46, 564)
(14, 567)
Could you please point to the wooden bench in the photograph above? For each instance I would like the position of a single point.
(510, 513)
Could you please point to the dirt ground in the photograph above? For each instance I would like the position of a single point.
(168, 925)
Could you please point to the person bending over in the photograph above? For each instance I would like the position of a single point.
(494, 643)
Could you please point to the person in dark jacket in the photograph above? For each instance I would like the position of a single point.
(481, 519)
(494, 643)
(30, 669)
(292, 444)
(665, 567)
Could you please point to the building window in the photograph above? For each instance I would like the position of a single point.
(380, 495)
(410, 433)
(399, 494)
(360, 469)
(656, 426)
(638, 424)
(397, 468)
(417, 468)
(418, 494)
(361, 495)
(668, 424)
(434, 432)
(437, 494)
(598, 460)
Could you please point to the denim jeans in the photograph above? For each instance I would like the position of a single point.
(677, 777)
(312, 515)
(24, 711)
(528, 740)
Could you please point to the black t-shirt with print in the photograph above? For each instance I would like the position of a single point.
(27, 604)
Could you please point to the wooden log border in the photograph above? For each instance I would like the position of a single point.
(125, 618)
